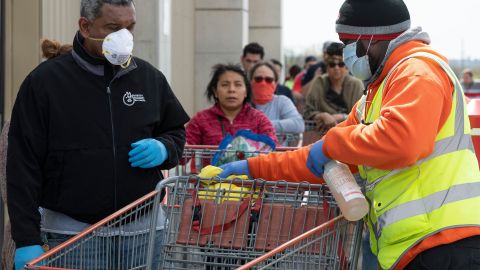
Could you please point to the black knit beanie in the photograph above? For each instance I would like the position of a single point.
(382, 19)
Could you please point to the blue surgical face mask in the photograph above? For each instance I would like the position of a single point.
(358, 66)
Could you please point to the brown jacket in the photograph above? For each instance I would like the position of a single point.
(352, 90)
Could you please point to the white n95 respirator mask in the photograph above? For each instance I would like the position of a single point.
(117, 47)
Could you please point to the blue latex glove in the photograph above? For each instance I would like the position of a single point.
(24, 255)
(316, 159)
(235, 168)
(147, 153)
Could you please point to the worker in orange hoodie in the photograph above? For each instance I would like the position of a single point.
(408, 136)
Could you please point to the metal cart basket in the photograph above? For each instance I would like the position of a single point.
(195, 157)
(225, 223)
(312, 133)
(216, 224)
(123, 240)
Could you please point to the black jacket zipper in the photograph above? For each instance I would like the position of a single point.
(114, 149)
(114, 144)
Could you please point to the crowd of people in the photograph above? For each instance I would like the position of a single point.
(251, 96)
(367, 96)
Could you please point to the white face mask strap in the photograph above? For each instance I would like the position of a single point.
(370, 42)
(96, 39)
(126, 64)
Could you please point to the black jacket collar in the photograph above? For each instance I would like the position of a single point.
(96, 65)
(81, 51)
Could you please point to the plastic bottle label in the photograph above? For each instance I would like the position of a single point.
(352, 194)
(348, 189)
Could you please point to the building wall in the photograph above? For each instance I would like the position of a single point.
(183, 52)
(265, 26)
(22, 35)
(221, 31)
(153, 34)
(2, 66)
(147, 31)
(60, 19)
(26, 23)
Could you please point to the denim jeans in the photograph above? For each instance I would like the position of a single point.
(369, 260)
(106, 252)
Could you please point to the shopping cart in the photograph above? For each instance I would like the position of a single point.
(195, 157)
(326, 235)
(212, 224)
(312, 133)
(123, 240)
(224, 224)
(216, 224)
(289, 139)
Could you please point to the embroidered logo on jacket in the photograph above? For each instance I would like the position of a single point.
(129, 99)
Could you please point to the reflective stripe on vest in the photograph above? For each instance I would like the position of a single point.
(460, 140)
(428, 204)
(453, 139)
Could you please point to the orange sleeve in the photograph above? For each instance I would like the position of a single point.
(417, 100)
(290, 166)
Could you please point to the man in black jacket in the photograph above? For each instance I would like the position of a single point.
(90, 132)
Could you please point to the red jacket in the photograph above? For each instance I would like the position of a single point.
(205, 128)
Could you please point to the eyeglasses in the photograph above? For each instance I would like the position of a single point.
(332, 65)
(259, 79)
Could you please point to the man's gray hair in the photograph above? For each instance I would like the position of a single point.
(90, 9)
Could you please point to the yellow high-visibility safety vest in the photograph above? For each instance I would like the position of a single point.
(438, 192)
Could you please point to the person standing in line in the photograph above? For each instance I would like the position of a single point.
(297, 85)
(281, 89)
(309, 61)
(470, 86)
(90, 132)
(292, 73)
(332, 96)
(252, 54)
(312, 72)
(230, 90)
(279, 109)
(410, 139)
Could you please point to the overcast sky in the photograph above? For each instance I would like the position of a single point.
(453, 25)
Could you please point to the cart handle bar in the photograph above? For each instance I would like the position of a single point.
(215, 147)
(89, 230)
(49, 268)
(289, 243)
